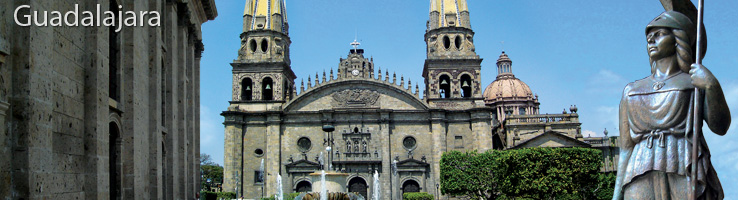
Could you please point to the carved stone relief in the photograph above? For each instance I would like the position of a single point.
(355, 98)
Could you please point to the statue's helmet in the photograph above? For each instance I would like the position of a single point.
(674, 20)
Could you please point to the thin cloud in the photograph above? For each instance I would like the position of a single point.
(588, 133)
(606, 81)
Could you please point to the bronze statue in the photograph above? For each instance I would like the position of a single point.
(658, 115)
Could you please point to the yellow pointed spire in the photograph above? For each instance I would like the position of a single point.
(448, 13)
(265, 15)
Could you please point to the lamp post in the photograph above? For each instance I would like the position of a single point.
(235, 189)
(438, 194)
(328, 129)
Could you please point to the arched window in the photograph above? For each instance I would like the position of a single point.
(247, 88)
(444, 88)
(267, 86)
(114, 163)
(466, 86)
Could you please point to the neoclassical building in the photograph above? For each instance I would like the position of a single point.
(91, 113)
(274, 126)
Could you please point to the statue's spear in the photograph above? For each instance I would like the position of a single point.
(697, 103)
(695, 14)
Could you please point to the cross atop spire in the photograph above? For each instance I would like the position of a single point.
(355, 44)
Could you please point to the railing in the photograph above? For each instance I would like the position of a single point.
(545, 118)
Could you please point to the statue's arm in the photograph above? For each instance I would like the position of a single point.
(716, 112)
(626, 145)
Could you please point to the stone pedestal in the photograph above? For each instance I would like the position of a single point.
(334, 181)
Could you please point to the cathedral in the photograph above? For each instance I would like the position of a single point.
(275, 127)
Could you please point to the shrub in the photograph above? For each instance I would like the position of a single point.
(226, 195)
(417, 196)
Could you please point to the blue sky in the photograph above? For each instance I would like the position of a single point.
(569, 52)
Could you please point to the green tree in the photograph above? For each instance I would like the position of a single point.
(467, 174)
(605, 186)
(210, 170)
(546, 173)
(531, 173)
(206, 160)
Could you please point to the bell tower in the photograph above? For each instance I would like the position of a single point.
(262, 72)
(452, 67)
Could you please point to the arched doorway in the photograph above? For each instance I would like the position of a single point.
(358, 185)
(304, 186)
(410, 186)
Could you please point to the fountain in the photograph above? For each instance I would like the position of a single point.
(261, 170)
(330, 196)
(280, 195)
(328, 184)
(393, 179)
(323, 192)
(376, 188)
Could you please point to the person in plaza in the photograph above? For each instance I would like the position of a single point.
(656, 118)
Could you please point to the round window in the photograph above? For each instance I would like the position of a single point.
(259, 152)
(304, 144)
(409, 142)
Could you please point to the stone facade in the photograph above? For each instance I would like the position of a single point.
(381, 123)
(90, 113)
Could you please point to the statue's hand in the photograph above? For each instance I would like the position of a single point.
(702, 77)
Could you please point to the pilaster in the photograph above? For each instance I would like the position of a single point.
(439, 131)
(481, 120)
(273, 153)
(384, 138)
